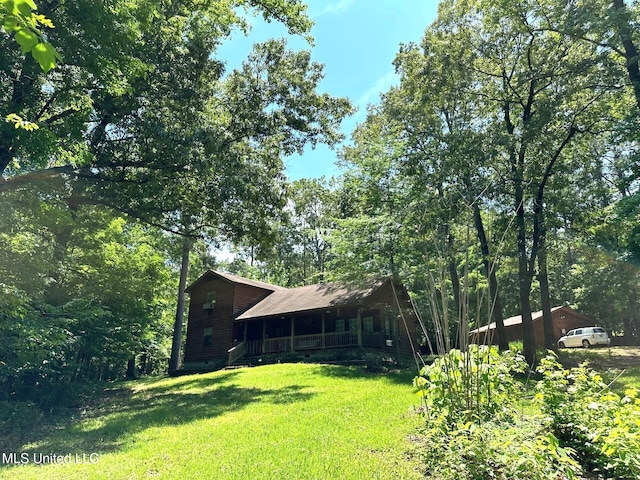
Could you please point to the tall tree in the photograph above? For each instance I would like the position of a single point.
(158, 132)
(446, 136)
(117, 57)
(301, 249)
(268, 109)
(539, 92)
(373, 197)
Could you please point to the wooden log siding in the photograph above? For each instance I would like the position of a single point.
(235, 296)
(246, 296)
(385, 302)
(220, 318)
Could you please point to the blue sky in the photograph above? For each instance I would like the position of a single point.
(356, 40)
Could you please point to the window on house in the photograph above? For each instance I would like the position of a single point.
(208, 336)
(387, 328)
(340, 325)
(367, 324)
(211, 300)
(353, 325)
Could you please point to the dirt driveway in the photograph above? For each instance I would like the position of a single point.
(602, 357)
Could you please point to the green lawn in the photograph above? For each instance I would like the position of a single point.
(287, 421)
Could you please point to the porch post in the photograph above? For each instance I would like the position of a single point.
(323, 329)
(293, 327)
(264, 334)
(396, 337)
(244, 334)
(359, 323)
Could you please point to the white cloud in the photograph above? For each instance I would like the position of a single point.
(372, 94)
(333, 7)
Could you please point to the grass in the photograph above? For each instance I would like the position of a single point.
(620, 365)
(288, 421)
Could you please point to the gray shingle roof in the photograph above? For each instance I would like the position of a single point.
(311, 297)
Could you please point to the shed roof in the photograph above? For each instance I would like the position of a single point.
(233, 279)
(310, 297)
(516, 320)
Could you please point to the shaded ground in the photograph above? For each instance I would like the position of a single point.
(602, 358)
(120, 411)
(305, 421)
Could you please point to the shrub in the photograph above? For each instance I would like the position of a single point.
(601, 426)
(473, 430)
(470, 386)
(497, 450)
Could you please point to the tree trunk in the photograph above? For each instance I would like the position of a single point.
(524, 276)
(516, 159)
(539, 246)
(622, 24)
(174, 361)
(543, 278)
(494, 293)
(630, 330)
(524, 288)
(143, 364)
(131, 368)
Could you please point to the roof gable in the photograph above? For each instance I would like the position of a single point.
(280, 300)
(209, 274)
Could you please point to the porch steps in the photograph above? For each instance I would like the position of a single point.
(235, 367)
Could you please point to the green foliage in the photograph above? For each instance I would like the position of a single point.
(84, 293)
(471, 386)
(521, 450)
(584, 426)
(473, 430)
(602, 427)
(18, 17)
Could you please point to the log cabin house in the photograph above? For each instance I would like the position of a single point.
(234, 318)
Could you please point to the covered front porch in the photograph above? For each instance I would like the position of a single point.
(310, 331)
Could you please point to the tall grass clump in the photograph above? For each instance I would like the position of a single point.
(472, 401)
(470, 386)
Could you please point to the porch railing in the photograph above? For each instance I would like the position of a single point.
(307, 342)
(275, 345)
(341, 339)
(300, 342)
(253, 347)
(236, 353)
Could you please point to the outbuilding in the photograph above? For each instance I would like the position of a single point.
(564, 319)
